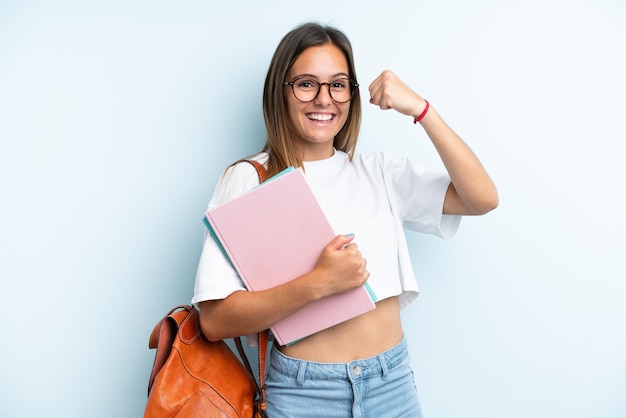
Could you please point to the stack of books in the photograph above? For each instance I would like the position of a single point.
(275, 233)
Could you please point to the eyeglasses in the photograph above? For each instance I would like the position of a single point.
(306, 89)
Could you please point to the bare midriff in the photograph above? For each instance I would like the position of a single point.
(359, 338)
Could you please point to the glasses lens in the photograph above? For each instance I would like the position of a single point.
(341, 90)
(306, 90)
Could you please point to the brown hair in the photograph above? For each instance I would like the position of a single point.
(279, 144)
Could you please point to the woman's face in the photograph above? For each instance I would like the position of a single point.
(316, 123)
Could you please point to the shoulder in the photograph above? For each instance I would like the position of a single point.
(378, 161)
(238, 178)
(399, 171)
(370, 158)
(243, 166)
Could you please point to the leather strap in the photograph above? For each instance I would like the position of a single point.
(244, 359)
(263, 336)
(261, 171)
(263, 342)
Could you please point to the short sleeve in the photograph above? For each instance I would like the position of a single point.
(417, 197)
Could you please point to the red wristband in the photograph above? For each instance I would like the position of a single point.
(421, 116)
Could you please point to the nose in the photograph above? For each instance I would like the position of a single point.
(323, 95)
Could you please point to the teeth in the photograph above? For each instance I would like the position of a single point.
(320, 117)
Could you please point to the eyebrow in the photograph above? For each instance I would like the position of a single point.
(334, 77)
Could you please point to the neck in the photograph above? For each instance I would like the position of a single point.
(315, 152)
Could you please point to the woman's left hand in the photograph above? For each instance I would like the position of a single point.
(387, 91)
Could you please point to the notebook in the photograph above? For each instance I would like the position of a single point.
(275, 233)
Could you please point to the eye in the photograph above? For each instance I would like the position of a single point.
(338, 84)
(306, 84)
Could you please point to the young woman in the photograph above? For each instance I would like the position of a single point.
(312, 109)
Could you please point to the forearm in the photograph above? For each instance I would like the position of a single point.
(472, 192)
(339, 268)
(248, 312)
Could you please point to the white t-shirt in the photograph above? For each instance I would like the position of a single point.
(374, 197)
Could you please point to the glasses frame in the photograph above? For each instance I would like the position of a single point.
(353, 90)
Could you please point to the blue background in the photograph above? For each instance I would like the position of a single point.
(117, 117)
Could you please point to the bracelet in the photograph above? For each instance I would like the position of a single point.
(421, 116)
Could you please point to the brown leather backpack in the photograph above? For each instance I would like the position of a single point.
(194, 377)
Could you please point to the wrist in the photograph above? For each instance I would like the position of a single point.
(421, 116)
(309, 287)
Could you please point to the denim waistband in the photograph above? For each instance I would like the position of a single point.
(375, 366)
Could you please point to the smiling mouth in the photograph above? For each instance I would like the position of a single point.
(320, 117)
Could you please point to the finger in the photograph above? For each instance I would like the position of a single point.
(382, 78)
(374, 84)
(380, 97)
(340, 241)
(375, 90)
(364, 264)
(381, 101)
(374, 99)
(384, 104)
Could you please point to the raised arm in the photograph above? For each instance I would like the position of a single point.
(472, 192)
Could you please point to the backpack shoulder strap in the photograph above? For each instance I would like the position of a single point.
(261, 171)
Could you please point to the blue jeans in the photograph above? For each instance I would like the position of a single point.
(381, 386)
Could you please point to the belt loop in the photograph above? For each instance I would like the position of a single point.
(301, 370)
(383, 366)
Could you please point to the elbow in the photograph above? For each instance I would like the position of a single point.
(487, 204)
(209, 334)
(475, 201)
(208, 330)
(208, 325)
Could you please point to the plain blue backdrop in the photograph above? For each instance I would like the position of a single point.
(117, 117)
